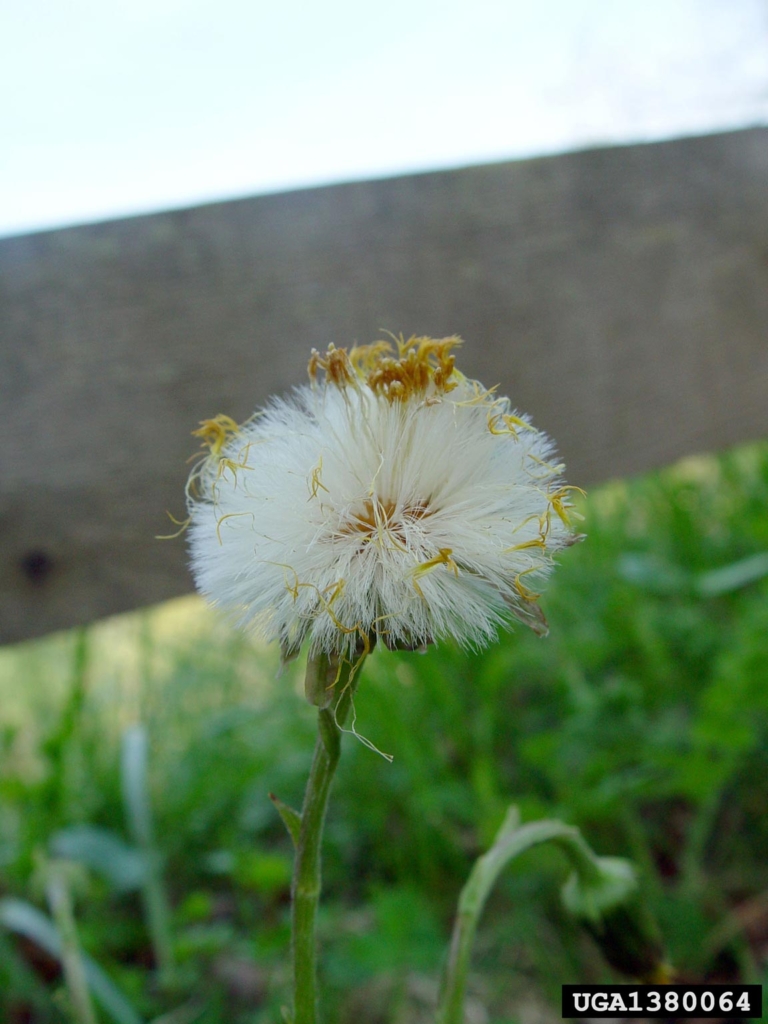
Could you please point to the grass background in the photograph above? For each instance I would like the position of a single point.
(642, 718)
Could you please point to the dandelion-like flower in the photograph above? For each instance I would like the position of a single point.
(391, 497)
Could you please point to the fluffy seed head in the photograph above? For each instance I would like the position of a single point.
(391, 497)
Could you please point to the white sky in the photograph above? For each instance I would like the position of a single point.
(110, 109)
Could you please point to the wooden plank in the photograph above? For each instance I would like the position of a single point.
(618, 295)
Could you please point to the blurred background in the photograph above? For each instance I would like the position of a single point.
(137, 752)
(114, 109)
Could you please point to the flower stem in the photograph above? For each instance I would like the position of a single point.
(305, 890)
(512, 840)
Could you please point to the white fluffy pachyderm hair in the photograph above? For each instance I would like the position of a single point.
(390, 498)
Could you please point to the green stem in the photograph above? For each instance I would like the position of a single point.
(305, 890)
(692, 873)
(158, 919)
(512, 840)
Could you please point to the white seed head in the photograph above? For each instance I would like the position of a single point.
(394, 498)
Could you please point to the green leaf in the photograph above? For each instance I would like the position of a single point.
(134, 780)
(104, 852)
(733, 577)
(291, 818)
(653, 575)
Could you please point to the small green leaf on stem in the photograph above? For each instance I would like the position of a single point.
(291, 818)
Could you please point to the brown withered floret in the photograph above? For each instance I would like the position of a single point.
(416, 367)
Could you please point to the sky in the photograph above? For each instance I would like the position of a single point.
(111, 109)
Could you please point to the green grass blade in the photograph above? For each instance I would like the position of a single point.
(139, 814)
(24, 919)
